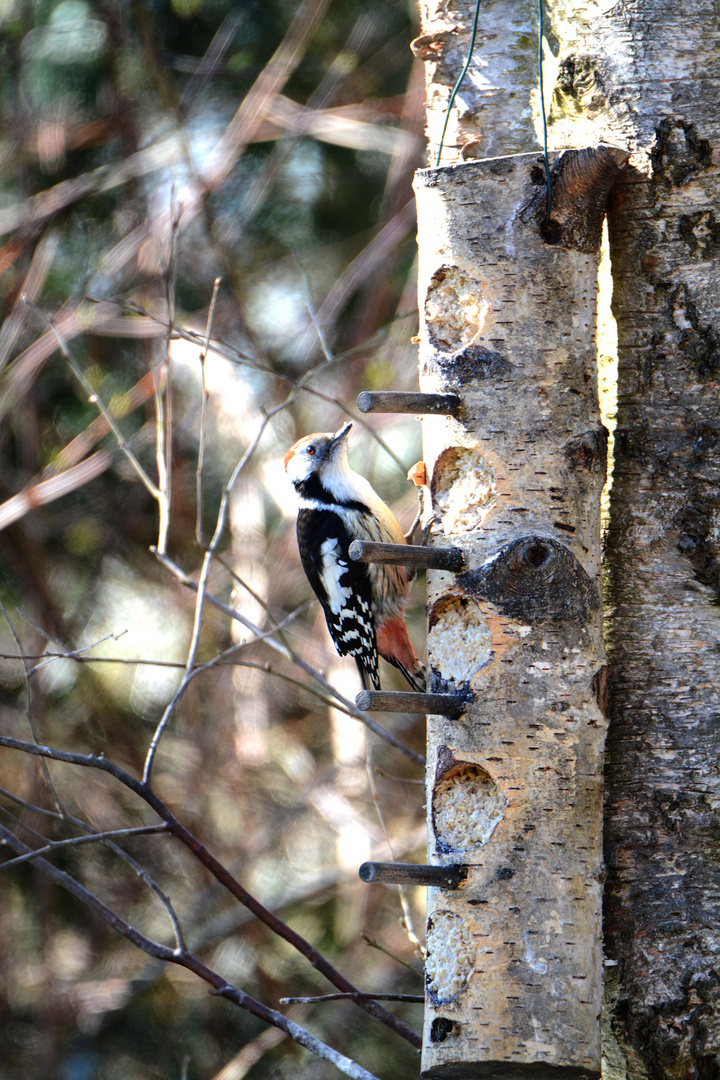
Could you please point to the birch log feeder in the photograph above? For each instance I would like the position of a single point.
(514, 787)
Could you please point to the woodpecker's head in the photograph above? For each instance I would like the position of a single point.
(318, 457)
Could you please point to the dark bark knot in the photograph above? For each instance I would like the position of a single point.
(698, 341)
(579, 86)
(581, 181)
(534, 578)
(469, 364)
(601, 689)
(701, 232)
(588, 451)
(679, 152)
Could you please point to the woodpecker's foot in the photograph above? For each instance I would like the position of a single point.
(427, 530)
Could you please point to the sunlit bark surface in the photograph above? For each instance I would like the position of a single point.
(514, 787)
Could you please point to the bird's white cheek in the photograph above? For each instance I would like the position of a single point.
(298, 468)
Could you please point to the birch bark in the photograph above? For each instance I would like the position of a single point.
(642, 76)
(648, 76)
(514, 786)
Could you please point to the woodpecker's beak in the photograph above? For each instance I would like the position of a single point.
(340, 435)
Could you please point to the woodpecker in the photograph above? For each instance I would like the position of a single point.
(363, 602)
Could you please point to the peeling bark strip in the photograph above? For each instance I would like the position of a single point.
(514, 786)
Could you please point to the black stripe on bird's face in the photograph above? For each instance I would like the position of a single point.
(315, 491)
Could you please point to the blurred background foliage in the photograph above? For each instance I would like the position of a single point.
(148, 148)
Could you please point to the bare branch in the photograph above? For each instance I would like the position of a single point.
(107, 839)
(381, 948)
(228, 352)
(216, 868)
(268, 83)
(35, 278)
(407, 919)
(76, 654)
(199, 535)
(94, 399)
(187, 960)
(29, 708)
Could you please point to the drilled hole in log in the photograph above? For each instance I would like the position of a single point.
(467, 806)
(455, 309)
(463, 490)
(459, 639)
(441, 1027)
(450, 956)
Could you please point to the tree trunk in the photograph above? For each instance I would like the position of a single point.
(645, 78)
(651, 77)
(514, 786)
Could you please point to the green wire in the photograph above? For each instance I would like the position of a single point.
(463, 73)
(548, 184)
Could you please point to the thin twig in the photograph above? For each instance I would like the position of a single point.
(76, 654)
(269, 82)
(74, 841)
(29, 710)
(162, 448)
(95, 400)
(107, 841)
(407, 919)
(291, 655)
(42, 260)
(200, 597)
(373, 255)
(163, 402)
(222, 658)
(381, 948)
(199, 535)
(418, 998)
(228, 352)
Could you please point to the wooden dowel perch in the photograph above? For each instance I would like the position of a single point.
(450, 705)
(401, 401)
(439, 877)
(414, 555)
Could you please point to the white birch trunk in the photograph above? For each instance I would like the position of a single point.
(515, 786)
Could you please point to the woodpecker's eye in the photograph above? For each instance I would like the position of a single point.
(310, 450)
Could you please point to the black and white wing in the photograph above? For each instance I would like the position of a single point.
(342, 587)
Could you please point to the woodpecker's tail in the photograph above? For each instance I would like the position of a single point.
(416, 678)
(370, 679)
